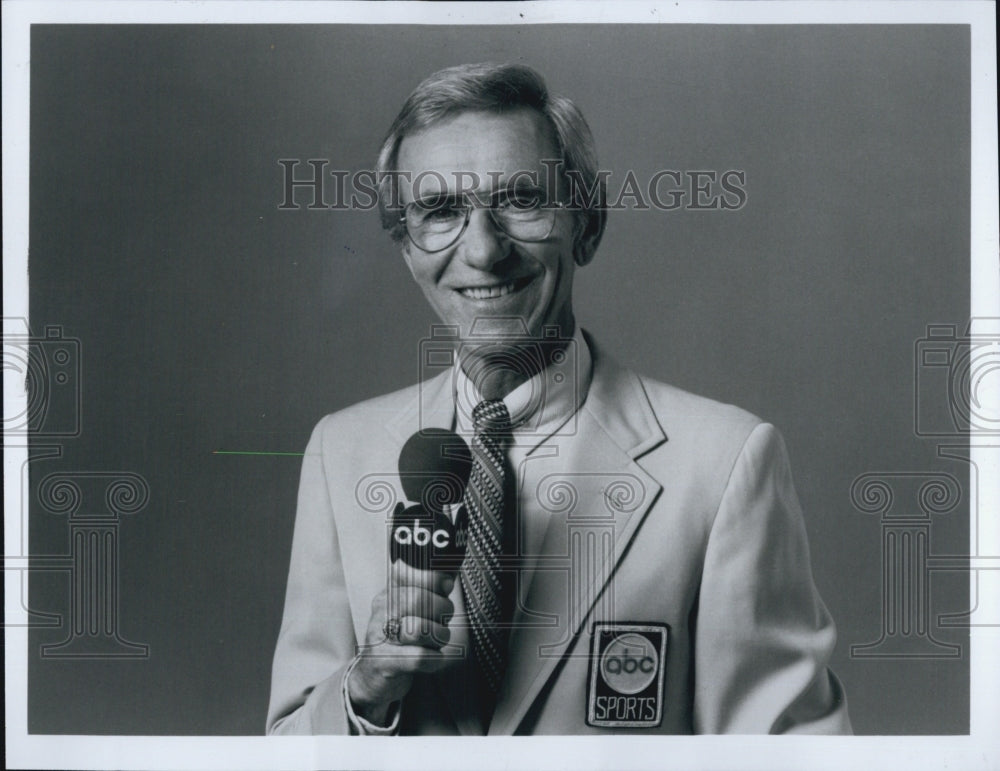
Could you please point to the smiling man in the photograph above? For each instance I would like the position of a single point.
(635, 559)
(504, 268)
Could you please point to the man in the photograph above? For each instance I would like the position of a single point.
(636, 560)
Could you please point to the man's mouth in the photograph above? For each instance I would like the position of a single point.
(495, 291)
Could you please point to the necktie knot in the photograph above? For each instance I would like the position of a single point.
(490, 416)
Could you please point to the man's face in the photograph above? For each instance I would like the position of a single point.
(486, 276)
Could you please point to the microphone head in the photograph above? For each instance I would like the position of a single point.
(434, 467)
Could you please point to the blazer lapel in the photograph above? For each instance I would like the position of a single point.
(597, 496)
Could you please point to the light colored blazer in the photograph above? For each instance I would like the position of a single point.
(666, 508)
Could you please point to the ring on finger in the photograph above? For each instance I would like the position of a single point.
(391, 628)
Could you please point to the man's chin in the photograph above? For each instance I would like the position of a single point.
(496, 328)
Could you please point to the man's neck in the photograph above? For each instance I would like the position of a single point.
(500, 369)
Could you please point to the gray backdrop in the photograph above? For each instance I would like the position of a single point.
(209, 320)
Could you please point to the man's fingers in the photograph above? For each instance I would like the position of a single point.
(420, 631)
(421, 603)
(414, 659)
(436, 581)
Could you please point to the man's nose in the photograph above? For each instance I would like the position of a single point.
(483, 243)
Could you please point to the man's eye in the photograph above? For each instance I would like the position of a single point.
(444, 214)
(521, 201)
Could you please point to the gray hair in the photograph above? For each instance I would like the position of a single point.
(497, 88)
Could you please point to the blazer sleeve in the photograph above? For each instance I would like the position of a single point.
(763, 636)
(316, 643)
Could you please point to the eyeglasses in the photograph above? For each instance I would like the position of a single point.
(434, 224)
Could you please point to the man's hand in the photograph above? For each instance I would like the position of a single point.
(385, 669)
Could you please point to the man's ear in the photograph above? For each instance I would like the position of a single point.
(587, 242)
(584, 252)
(404, 249)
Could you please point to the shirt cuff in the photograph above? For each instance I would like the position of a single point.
(364, 727)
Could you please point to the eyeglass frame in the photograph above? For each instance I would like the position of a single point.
(467, 206)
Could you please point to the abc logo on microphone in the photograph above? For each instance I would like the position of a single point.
(416, 534)
(627, 668)
(424, 540)
(434, 467)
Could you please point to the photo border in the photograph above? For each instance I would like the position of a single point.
(978, 750)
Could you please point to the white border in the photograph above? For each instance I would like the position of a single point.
(485, 13)
(981, 750)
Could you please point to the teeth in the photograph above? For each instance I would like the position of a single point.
(488, 293)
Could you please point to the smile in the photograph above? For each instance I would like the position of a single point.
(493, 292)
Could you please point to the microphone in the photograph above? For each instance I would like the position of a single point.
(434, 467)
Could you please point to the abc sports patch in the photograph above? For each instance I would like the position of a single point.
(625, 681)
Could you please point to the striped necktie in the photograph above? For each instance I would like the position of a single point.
(487, 592)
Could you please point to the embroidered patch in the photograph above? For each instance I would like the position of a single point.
(627, 667)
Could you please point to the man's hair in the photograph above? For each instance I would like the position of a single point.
(497, 88)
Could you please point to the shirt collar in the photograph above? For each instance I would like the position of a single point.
(541, 406)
